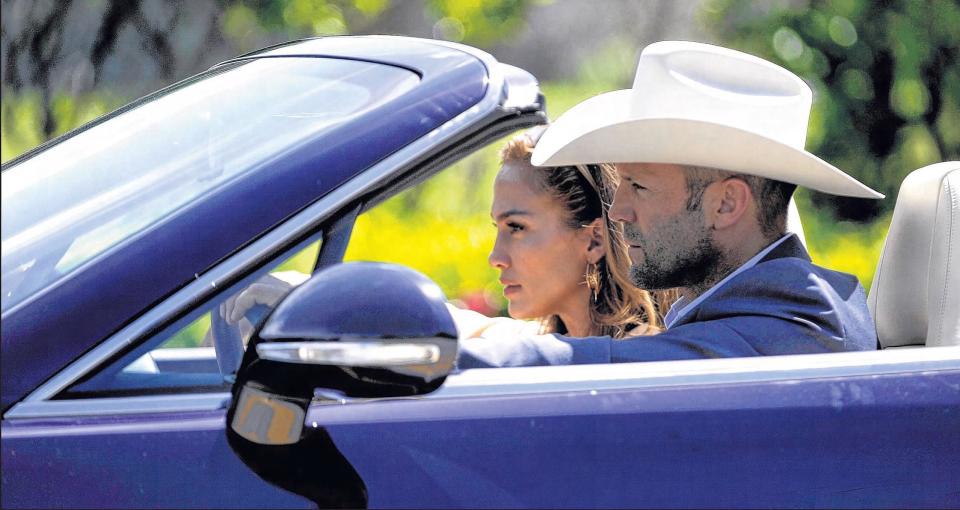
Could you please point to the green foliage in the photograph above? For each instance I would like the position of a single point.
(478, 22)
(317, 16)
(303, 261)
(190, 336)
(20, 112)
(847, 246)
(248, 23)
(21, 117)
(885, 76)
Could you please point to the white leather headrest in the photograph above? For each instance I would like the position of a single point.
(915, 296)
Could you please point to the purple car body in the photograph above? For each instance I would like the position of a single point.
(872, 429)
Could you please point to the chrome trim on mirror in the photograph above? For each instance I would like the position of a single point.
(350, 354)
(299, 225)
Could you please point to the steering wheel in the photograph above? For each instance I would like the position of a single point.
(228, 341)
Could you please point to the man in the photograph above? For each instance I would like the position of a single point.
(709, 146)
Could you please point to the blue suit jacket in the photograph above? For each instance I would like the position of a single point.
(782, 305)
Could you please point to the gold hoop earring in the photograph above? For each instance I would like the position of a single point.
(592, 278)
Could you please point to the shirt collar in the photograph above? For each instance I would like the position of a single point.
(680, 307)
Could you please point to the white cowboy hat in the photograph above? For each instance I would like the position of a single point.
(699, 104)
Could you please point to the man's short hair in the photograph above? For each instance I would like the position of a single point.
(773, 197)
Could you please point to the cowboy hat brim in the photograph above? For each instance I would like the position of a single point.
(602, 129)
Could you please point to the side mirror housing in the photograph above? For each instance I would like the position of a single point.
(360, 329)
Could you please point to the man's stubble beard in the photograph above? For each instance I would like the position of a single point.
(680, 253)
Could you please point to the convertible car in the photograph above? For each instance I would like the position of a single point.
(122, 386)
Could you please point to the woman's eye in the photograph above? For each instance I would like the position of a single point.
(514, 227)
(638, 187)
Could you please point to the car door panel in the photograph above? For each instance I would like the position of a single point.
(879, 440)
(136, 461)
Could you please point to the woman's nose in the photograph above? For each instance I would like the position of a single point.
(498, 258)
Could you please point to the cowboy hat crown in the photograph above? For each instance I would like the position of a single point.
(703, 105)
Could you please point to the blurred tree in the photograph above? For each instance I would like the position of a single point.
(246, 21)
(477, 22)
(52, 49)
(34, 47)
(56, 53)
(885, 76)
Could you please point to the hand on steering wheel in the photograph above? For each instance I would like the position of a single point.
(233, 323)
(265, 292)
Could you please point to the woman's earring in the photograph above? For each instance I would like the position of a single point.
(593, 280)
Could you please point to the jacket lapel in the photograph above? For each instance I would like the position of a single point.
(790, 247)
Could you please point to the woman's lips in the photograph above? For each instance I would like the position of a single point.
(510, 289)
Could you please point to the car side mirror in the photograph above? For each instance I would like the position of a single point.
(358, 329)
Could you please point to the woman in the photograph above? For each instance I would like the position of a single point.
(561, 260)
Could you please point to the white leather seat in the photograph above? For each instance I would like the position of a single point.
(915, 296)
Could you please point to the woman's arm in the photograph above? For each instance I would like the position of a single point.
(471, 324)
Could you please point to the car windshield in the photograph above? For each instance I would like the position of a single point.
(75, 200)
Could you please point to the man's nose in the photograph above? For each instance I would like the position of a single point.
(619, 210)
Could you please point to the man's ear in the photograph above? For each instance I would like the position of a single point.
(732, 199)
(596, 249)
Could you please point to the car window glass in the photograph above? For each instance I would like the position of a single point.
(200, 351)
(442, 228)
(90, 192)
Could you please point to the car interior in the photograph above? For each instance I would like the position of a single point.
(915, 296)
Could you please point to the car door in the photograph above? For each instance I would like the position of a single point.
(870, 429)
